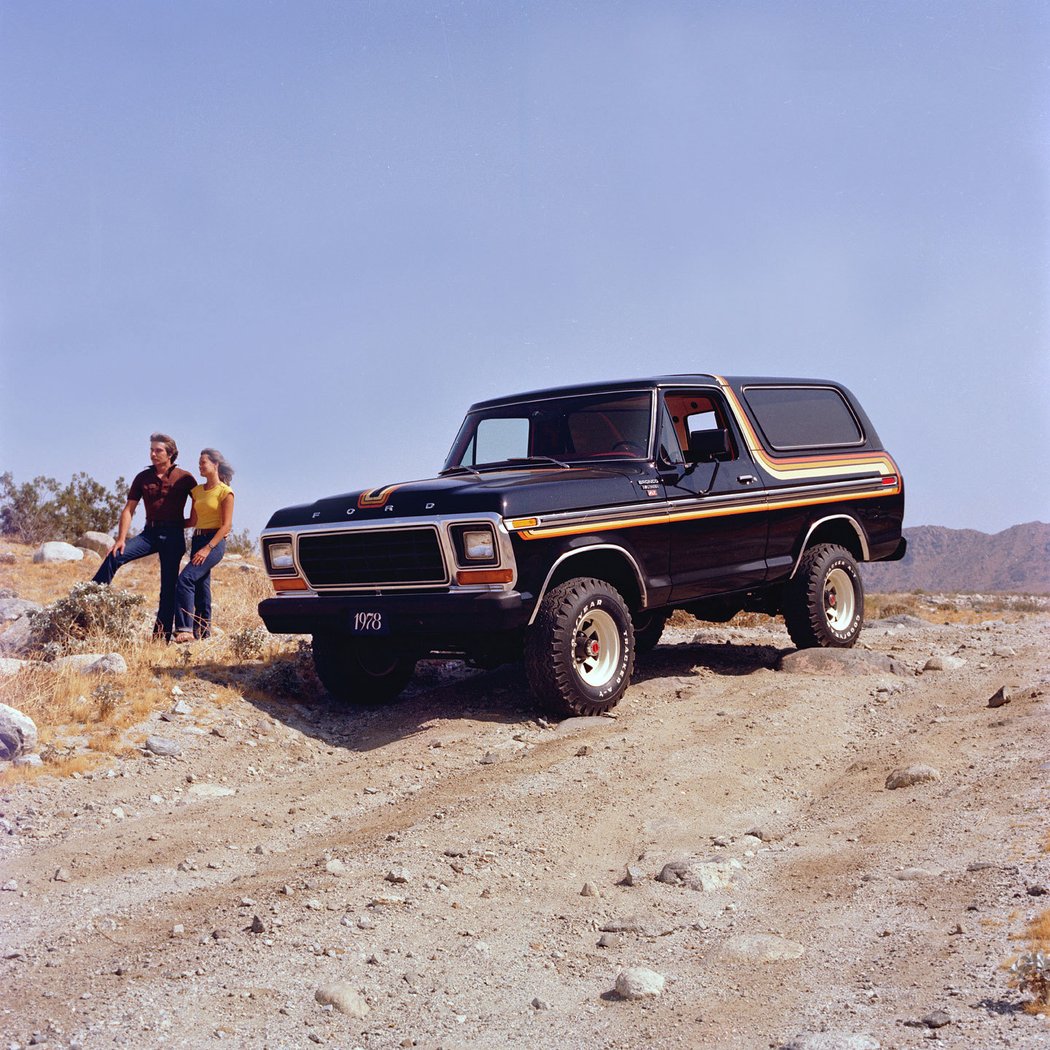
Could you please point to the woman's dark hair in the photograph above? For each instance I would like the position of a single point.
(225, 470)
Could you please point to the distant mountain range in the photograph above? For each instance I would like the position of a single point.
(939, 559)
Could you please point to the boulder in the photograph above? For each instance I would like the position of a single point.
(840, 662)
(912, 775)
(57, 552)
(13, 608)
(18, 638)
(17, 733)
(9, 666)
(832, 1041)
(637, 982)
(707, 876)
(344, 998)
(92, 663)
(98, 542)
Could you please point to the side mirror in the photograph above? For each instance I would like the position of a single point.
(706, 446)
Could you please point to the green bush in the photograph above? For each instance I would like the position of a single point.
(240, 542)
(43, 509)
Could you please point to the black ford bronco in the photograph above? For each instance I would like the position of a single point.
(567, 524)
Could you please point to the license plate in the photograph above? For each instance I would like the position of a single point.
(369, 623)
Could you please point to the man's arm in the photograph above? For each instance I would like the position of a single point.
(124, 527)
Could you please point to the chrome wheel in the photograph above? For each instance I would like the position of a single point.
(839, 600)
(597, 647)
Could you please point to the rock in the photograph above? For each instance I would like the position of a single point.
(335, 867)
(540, 1004)
(62, 875)
(911, 775)
(18, 638)
(18, 735)
(257, 926)
(12, 608)
(9, 666)
(762, 947)
(29, 762)
(944, 663)
(98, 542)
(832, 1041)
(1003, 695)
(54, 551)
(840, 662)
(937, 1019)
(610, 940)
(636, 982)
(633, 875)
(210, 791)
(589, 890)
(705, 875)
(344, 998)
(397, 875)
(162, 746)
(91, 663)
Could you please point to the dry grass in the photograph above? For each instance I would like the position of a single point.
(1036, 940)
(84, 720)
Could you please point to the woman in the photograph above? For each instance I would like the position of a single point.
(211, 520)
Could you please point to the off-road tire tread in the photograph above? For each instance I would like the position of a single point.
(803, 601)
(550, 678)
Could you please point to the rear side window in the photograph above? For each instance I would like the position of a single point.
(794, 417)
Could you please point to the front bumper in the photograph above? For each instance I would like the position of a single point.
(437, 617)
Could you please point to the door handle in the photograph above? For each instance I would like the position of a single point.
(746, 479)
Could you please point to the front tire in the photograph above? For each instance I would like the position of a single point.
(579, 652)
(359, 672)
(648, 629)
(824, 601)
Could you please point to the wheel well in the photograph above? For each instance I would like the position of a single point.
(844, 532)
(609, 564)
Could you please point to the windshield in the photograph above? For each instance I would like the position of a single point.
(561, 430)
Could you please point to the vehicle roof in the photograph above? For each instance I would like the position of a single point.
(649, 383)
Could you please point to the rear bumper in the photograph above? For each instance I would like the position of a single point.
(431, 616)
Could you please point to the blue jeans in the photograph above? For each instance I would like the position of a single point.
(193, 592)
(169, 543)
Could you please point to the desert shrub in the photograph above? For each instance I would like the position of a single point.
(249, 643)
(44, 509)
(292, 675)
(1030, 974)
(240, 542)
(89, 610)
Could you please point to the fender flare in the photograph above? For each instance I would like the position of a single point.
(862, 538)
(589, 548)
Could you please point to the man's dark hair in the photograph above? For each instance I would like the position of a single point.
(168, 443)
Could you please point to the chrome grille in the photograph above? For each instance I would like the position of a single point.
(363, 558)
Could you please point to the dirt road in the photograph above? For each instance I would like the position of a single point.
(453, 872)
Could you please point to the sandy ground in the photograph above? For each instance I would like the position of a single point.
(452, 861)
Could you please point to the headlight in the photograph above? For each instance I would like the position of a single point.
(479, 545)
(279, 556)
(475, 545)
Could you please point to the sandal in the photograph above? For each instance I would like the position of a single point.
(184, 636)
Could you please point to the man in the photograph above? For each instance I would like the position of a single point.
(164, 488)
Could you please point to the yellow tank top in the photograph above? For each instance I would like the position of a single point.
(208, 504)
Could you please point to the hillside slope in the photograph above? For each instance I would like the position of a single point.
(1016, 560)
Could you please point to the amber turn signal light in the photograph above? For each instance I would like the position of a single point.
(465, 576)
(289, 583)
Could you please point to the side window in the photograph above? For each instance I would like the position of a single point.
(698, 411)
(797, 417)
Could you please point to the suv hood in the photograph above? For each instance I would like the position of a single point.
(511, 493)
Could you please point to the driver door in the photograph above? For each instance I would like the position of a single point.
(719, 521)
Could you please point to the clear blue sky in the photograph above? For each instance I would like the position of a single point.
(311, 233)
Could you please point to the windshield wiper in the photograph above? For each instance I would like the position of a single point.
(526, 460)
(458, 470)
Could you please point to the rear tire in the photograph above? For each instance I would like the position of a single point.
(824, 601)
(361, 673)
(579, 652)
